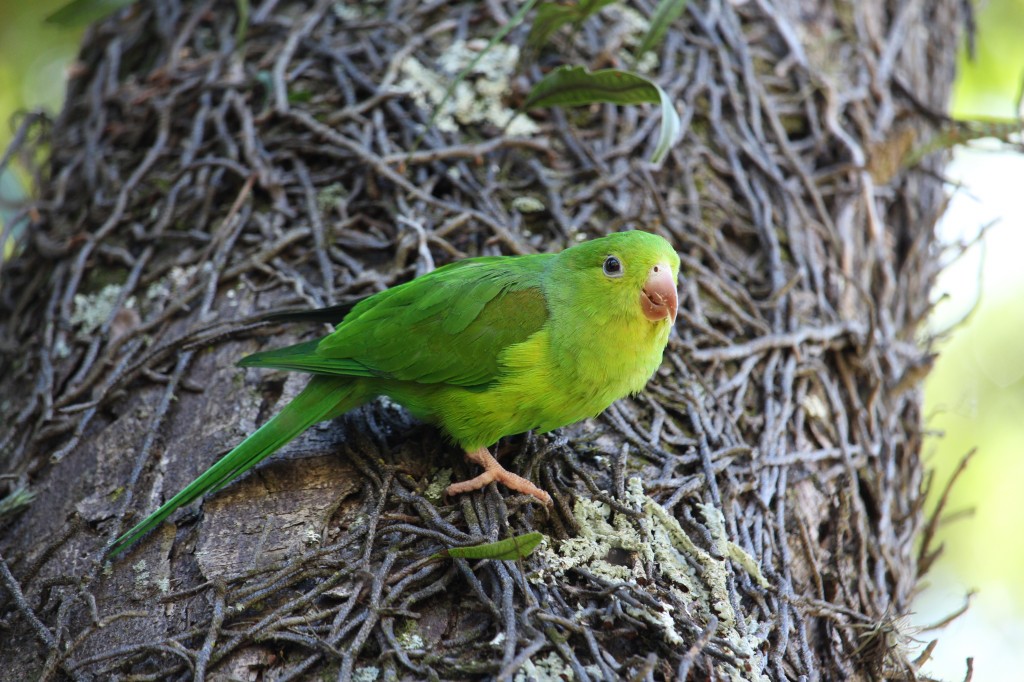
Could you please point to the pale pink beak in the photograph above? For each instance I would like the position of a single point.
(658, 298)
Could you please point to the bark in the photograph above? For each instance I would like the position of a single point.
(755, 513)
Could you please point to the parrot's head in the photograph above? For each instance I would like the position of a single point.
(626, 273)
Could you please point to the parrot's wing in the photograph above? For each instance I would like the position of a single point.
(449, 326)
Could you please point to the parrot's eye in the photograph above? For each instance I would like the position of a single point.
(612, 267)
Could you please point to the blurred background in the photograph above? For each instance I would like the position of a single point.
(34, 57)
(974, 397)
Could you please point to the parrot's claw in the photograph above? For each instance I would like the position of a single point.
(497, 473)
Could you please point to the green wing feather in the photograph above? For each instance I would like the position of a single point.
(322, 398)
(449, 326)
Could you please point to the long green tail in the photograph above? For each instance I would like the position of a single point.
(324, 397)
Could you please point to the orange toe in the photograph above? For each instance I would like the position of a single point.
(493, 471)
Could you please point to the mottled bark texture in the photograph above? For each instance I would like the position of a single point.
(754, 513)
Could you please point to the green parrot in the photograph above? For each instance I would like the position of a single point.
(484, 348)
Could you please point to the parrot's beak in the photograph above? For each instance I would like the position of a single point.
(658, 298)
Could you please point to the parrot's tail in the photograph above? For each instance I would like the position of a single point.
(323, 398)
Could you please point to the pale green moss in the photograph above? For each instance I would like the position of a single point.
(367, 673)
(310, 537)
(478, 97)
(547, 668)
(332, 196)
(349, 11)
(715, 523)
(656, 537)
(92, 310)
(176, 281)
(435, 491)
(61, 349)
(141, 573)
(409, 636)
(526, 204)
(551, 668)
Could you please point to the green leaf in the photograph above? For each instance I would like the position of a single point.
(575, 86)
(671, 127)
(19, 497)
(243, 22)
(590, 7)
(516, 19)
(665, 13)
(509, 549)
(552, 16)
(83, 12)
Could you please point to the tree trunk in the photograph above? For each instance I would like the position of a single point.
(754, 513)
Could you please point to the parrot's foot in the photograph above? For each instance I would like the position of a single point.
(495, 472)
